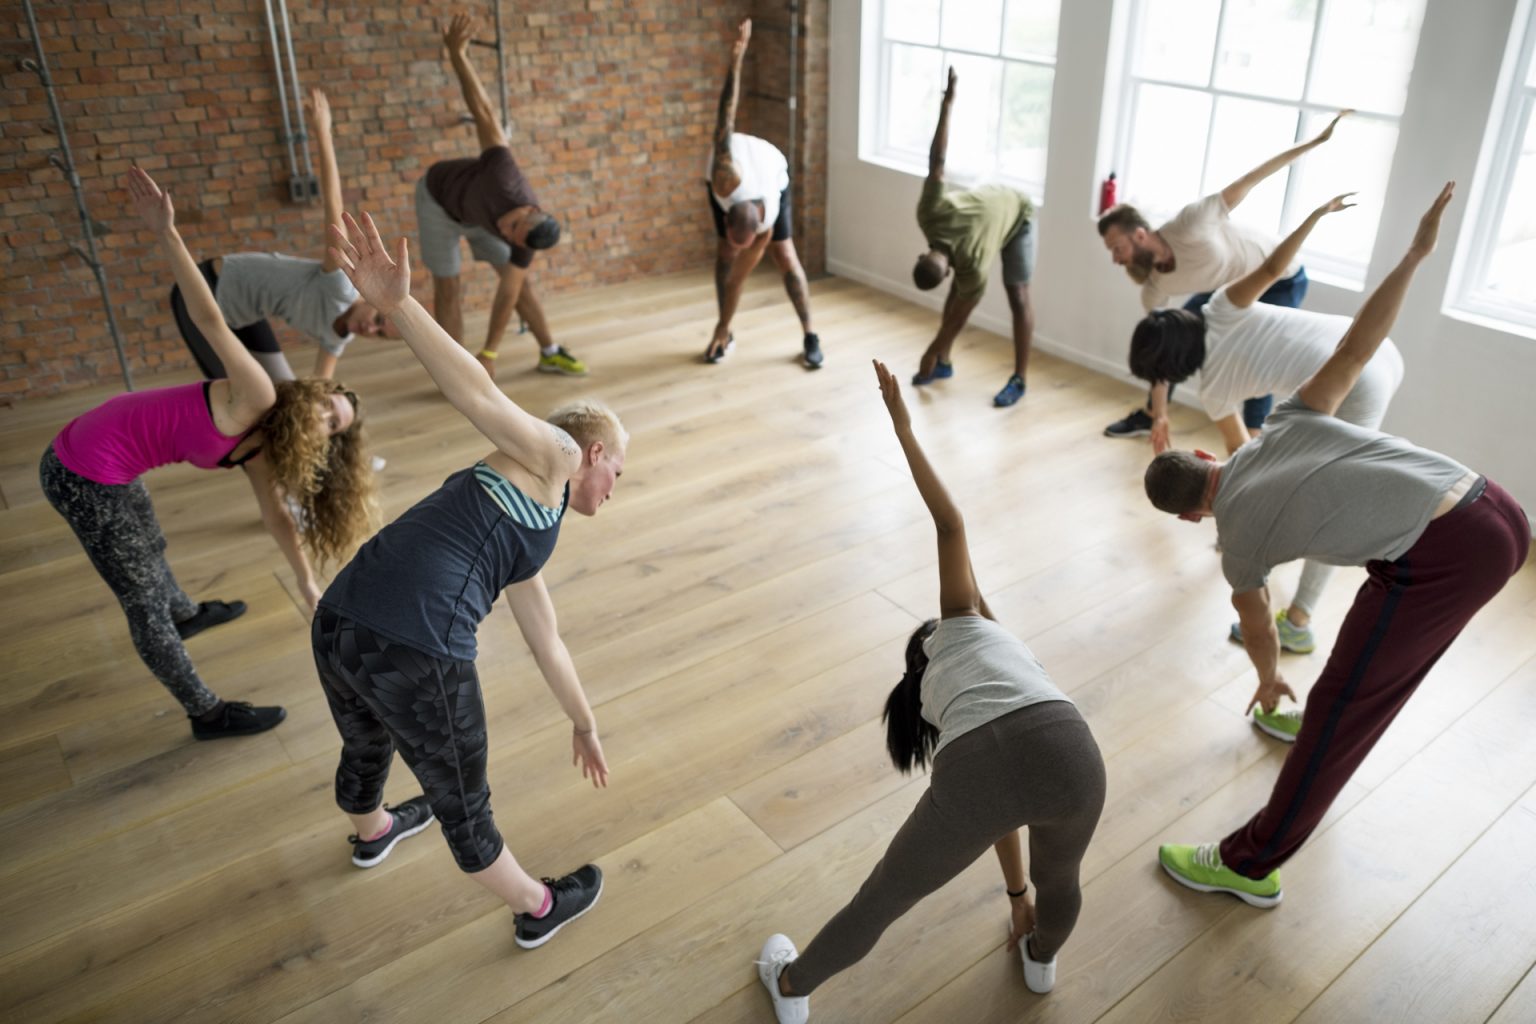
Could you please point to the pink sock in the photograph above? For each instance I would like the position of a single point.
(547, 905)
(382, 832)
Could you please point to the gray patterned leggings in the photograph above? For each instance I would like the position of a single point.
(117, 527)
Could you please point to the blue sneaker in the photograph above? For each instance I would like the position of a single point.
(941, 371)
(1011, 393)
(1295, 639)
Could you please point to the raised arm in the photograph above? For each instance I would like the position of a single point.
(1326, 388)
(319, 109)
(725, 177)
(1239, 189)
(251, 392)
(940, 145)
(456, 37)
(385, 282)
(958, 593)
(1245, 291)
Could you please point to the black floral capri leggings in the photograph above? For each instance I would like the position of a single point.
(117, 527)
(386, 696)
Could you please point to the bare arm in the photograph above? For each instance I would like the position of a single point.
(1327, 388)
(251, 392)
(1233, 433)
(940, 147)
(330, 178)
(385, 282)
(275, 517)
(725, 177)
(325, 365)
(456, 38)
(1245, 291)
(508, 288)
(958, 593)
(1262, 643)
(1238, 191)
(535, 614)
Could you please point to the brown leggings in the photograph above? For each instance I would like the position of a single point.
(1037, 767)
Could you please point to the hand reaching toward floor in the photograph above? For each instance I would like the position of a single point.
(1023, 920)
(890, 390)
(1268, 694)
(152, 205)
(1161, 440)
(587, 751)
(383, 281)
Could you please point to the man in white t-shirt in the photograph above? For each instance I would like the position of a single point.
(748, 182)
(1243, 348)
(1195, 253)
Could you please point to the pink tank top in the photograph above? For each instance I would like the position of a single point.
(125, 437)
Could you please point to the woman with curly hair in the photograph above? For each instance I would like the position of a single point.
(299, 438)
(395, 638)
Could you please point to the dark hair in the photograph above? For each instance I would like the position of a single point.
(1168, 344)
(1176, 480)
(743, 217)
(544, 234)
(927, 274)
(909, 737)
(1126, 218)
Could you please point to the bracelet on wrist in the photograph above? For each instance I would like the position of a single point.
(486, 353)
(1015, 895)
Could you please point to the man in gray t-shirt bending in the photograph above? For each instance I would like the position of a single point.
(1438, 540)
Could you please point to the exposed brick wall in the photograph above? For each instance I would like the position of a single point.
(612, 107)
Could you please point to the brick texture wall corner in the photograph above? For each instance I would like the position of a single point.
(612, 107)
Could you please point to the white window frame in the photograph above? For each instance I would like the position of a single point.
(876, 147)
(1508, 127)
(1348, 273)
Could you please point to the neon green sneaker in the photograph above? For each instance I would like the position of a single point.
(1200, 868)
(561, 361)
(1282, 725)
(1296, 639)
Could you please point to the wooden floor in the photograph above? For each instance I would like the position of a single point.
(738, 614)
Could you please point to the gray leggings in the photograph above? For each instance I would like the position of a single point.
(117, 527)
(1037, 767)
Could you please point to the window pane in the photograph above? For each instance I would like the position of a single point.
(1167, 148)
(912, 21)
(1512, 265)
(1026, 123)
(1244, 135)
(973, 24)
(912, 103)
(1264, 47)
(1031, 28)
(974, 120)
(1175, 40)
(1357, 159)
(1365, 53)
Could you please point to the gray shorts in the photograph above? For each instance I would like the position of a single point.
(440, 236)
(1019, 256)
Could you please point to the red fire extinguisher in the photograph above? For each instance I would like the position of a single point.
(1107, 192)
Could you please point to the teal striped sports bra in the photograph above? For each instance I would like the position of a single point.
(522, 509)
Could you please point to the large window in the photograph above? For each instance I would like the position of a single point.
(1215, 87)
(1498, 278)
(1005, 54)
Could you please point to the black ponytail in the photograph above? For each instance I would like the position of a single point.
(909, 737)
(1168, 345)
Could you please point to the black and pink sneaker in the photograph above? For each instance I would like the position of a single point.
(572, 896)
(405, 821)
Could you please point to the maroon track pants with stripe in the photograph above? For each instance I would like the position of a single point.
(1404, 617)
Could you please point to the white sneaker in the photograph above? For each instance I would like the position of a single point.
(778, 953)
(1038, 977)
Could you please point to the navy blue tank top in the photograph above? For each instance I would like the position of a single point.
(430, 578)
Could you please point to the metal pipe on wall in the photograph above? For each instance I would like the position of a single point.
(282, 96)
(64, 160)
(311, 188)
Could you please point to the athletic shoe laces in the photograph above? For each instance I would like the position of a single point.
(1208, 856)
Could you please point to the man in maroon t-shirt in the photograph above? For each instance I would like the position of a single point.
(486, 201)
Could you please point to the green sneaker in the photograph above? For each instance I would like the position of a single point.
(1200, 868)
(1282, 725)
(1296, 639)
(561, 361)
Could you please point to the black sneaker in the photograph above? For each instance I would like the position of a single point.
(716, 355)
(210, 613)
(1137, 424)
(812, 357)
(237, 718)
(574, 895)
(404, 821)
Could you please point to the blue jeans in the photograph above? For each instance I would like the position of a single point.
(1287, 291)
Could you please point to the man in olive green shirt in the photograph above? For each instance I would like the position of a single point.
(966, 230)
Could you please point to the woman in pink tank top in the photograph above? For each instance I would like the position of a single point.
(299, 442)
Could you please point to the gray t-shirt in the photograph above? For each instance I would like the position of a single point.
(256, 285)
(1313, 486)
(978, 671)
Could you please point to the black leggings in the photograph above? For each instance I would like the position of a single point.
(386, 696)
(258, 338)
(117, 527)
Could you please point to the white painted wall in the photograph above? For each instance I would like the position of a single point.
(1470, 390)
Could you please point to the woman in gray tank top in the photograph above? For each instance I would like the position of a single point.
(1008, 749)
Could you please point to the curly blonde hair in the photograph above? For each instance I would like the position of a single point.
(328, 475)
